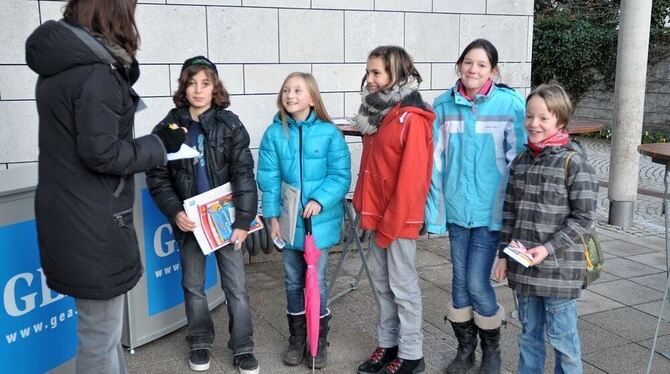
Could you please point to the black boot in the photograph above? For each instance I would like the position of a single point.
(466, 333)
(297, 342)
(489, 332)
(321, 359)
(490, 351)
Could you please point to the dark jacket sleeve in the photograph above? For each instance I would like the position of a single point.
(161, 187)
(98, 107)
(242, 181)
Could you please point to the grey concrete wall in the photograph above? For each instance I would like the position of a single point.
(598, 103)
(256, 43)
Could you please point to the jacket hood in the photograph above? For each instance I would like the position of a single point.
(413, 103)
(311, 118)
(52, 48)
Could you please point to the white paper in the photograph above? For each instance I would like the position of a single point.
(347, 121)
(183, 152)
(290, 201)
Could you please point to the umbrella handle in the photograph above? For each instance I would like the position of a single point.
(308, 225)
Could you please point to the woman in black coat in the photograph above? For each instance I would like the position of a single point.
(87, 156)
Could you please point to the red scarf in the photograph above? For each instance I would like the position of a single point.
(560, 138)
(482, 91)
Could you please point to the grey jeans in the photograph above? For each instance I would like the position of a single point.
(234, 284)
(397, 283)
(99, 330)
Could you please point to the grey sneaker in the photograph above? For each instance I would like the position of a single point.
(246, 363)
(198, 359)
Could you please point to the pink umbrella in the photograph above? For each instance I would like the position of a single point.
(312, 292)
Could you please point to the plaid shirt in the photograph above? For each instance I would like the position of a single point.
(543, 208)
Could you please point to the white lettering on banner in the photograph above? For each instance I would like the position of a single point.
(9, 294)
(158, 242)
(166, 270)
(37, 327)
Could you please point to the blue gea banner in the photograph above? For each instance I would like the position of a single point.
(38, 326)
(163, 269)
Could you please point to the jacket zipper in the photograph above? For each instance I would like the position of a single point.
(118, 217)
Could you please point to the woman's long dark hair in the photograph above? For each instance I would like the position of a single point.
(113, 19)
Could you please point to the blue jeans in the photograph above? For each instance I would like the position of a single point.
(559, 317)
(473, 252)
(294, 280)
(234, 284)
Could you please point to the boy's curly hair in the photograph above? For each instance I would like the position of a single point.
(220, 96)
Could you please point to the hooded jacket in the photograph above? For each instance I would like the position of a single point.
(550, 202)
(475, 141)
(228, 159)
(87, 157)
(326, 174)
(394, 176)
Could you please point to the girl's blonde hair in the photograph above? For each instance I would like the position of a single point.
(398, 64)
(312, 89)
(556, 99)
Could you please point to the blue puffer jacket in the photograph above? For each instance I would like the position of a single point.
(326, 174)
(475, 142)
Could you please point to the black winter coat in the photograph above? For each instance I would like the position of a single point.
(87, 157)
(227, 159)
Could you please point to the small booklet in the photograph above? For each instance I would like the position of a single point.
(290, 202)
(214, 213)
(517, 251)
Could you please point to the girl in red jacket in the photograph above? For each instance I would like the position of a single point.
(390, 196)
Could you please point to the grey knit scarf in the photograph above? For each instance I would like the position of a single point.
(376, 105)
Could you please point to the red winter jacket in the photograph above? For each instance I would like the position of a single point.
(394, 176)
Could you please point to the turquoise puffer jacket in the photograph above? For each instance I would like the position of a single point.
(326, 174)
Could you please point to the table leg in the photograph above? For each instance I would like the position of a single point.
(667, 264)
(353, 237)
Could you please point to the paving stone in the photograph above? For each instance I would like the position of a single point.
(657, 282)
(594, 338)
(621, 248)
(629, 358)
(654, 259)
(605, 276)
(654, 242)
(654, 307)
(591, 302)
(625, 268)
(626, 292)
(628, 323)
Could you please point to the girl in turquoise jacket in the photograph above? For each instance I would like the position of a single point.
(303, 149)
(478, 131)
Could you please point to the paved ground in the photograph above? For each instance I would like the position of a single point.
(618, 314)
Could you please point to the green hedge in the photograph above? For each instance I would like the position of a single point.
(575, 41)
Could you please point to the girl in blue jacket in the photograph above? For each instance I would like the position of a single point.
(478, 131)
(303, 149)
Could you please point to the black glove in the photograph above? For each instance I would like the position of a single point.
(172, 138)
